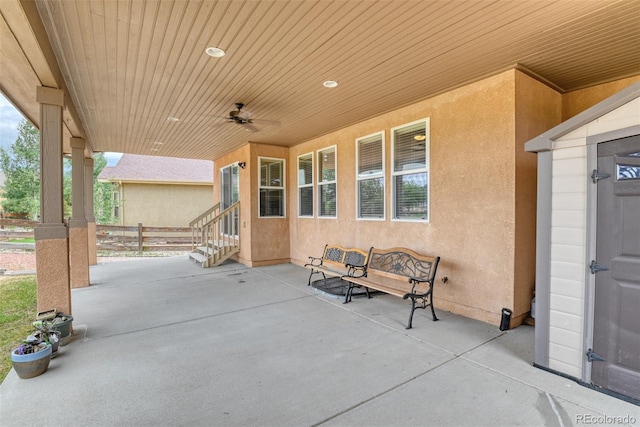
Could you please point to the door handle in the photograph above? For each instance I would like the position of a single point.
(595, 267)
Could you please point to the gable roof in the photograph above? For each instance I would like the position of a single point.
(155, 169)
(544, 142)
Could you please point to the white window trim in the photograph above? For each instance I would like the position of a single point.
(312, 184)
(378, 175)
(283, 187)
(321, 183)
(426, 169)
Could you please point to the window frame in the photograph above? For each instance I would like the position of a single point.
(381, 174)
(115, 204)
(321, 182)
(310, 185)
(425, 170)
(282, 188)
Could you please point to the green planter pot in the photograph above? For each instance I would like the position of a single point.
(33, 364)
(63, 326)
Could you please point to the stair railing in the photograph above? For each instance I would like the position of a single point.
(197, 226)
(222, 234)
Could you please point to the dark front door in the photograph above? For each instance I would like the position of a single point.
(617, 290)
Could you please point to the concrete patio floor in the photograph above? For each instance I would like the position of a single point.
(164, 342)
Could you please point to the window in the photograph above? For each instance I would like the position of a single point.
(271, 201)
(115, 202)
(628, 166)
(327, 187)
(370, 176)
(305, 185)
(411, 171)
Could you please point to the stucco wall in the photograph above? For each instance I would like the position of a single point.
(579, 100)
(243, 154)
(262, 240)
(538, 109)
(569, 236)
(482, 195)
(163, 205)
(472, 187)
(269, 235)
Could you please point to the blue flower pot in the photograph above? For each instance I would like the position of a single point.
(33, 364)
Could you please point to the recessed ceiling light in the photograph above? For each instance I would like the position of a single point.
(216, 52)
(173, 119)
(157, 143)
(420, 137)
(154, 149)
(330, 83)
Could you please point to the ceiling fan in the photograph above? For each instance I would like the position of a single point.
(241, 118)
(244, 119)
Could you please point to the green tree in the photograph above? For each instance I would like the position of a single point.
(102, 193)
(21, 166)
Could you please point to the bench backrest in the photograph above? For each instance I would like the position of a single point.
(401, 263)
(342, 256)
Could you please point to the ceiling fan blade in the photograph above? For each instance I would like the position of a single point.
(266, 122)
(249, 127)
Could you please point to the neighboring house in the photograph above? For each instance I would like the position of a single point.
(588, 245)
(159, 191)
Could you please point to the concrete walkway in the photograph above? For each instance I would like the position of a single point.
(162, 342)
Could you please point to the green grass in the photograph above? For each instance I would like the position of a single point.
(18, 308)
(24, 240)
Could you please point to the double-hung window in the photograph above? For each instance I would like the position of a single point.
(305, 185)
(327, 183)
(411, 171)
(370, 176)
(272, 188)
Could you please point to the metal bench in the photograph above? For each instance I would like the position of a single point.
(400, 272)
(338, 261)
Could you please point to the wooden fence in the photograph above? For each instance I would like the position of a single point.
(115, 237)
(141, 238)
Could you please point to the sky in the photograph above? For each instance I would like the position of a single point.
(10, 117)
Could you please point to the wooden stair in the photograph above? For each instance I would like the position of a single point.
(215, 236)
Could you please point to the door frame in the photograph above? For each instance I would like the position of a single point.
(591, 230)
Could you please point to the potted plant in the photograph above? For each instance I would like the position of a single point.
(44, 331)
(31, 358)
(55, 321)
(62, 322)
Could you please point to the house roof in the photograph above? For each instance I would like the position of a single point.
(544, 142)
(155, 169)
(127, 67)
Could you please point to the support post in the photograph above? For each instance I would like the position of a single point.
(88, 212)
(78, 233)
(52, 241)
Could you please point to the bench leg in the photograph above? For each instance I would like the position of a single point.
(413, 308)
(347, 296)
(433, 312)
(310, 274)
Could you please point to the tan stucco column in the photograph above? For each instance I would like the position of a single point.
(78, 240)
(88, 212)
(52, 242)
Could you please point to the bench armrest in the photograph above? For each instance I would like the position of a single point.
(314, 262)
(356, 270)
(416, 281)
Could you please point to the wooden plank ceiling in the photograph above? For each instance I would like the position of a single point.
(130, 65)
